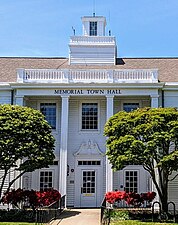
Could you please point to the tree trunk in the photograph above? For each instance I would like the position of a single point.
(164, 203)
(164, 190)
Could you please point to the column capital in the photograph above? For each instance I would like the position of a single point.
(109, 96)
(154, 96)
(65, 96)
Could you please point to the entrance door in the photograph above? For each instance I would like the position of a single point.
(88, 183)
(88, 188)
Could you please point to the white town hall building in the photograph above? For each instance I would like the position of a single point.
(78, 95)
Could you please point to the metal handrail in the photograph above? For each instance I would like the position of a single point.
(45, 214)
(105, 218)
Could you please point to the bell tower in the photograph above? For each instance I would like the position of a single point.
(92, 47)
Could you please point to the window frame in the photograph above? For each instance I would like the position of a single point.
(138, 179)
(57, 112)
(134, 101)
(98, 118)
(93, 32)
(46, 170)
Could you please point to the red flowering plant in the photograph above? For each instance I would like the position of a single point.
(131, 198)
(148, 196)
(115, 196)
(47, 197)
(21, 198)
(13, 197)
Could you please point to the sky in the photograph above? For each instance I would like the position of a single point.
(42, 28)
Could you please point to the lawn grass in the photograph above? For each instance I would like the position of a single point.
(16, 223)
(136, 222)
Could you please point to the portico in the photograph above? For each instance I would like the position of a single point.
(69, 103)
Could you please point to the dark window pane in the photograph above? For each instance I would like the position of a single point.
(49, 111)
(89, 116)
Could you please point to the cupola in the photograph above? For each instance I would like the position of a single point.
(94, 26)
(92, 47)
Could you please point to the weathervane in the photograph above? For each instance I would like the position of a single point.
(93, 8)
(73, 30)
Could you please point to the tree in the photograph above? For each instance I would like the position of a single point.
(148, 137)
(26, 142)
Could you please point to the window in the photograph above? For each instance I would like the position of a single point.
(128, 107)
(89, 116)
(93, 28)
(89, 163)
(88, 186)
(46, 180)
(49, 110)
(131, 181)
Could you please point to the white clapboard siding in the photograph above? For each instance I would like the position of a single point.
(27, 181)
(9, 177)
(72, 148)
(5, 97)
(170, 99)
(172, 190)
(6, 181)
(116, 181)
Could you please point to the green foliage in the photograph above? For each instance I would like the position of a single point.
(143, 135)
(147, 137)
(119, 215)
(15, 215)
(25, 136)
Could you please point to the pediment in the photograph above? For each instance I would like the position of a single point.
(89, 148)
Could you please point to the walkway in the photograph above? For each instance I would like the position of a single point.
(78, 217)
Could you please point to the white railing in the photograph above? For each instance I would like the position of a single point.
(136, 75)
(87, 76)
(92, 39)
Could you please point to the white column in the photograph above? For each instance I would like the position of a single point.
(154, 101)
(155, 104)
(63, 145)
(19, 100)
(109, 172)
(20, 75)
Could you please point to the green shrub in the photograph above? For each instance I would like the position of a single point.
(15, 215)
(119, 215)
